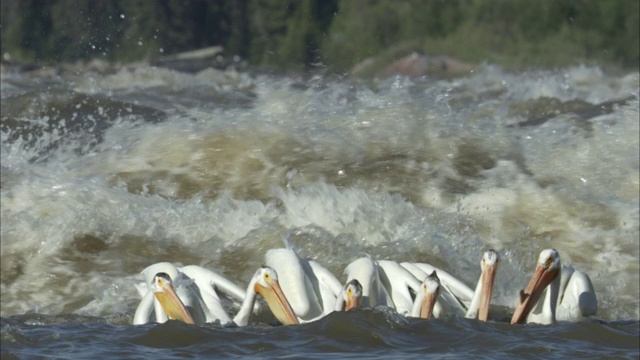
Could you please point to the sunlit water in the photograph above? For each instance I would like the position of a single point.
(105, 174)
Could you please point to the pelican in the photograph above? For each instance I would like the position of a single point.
(265, 282)
(166, 295)
(479, 307)
(386, 282)
(423, 306)
(456, 292)
(197, 288)
(328, 286)
(310, 288)
(474, 304)
(401, 284)
(568, 297)
(365, 271)
(210, 285)
(182, 287)
(350, 296)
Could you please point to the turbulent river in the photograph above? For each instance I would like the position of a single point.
(105, 173)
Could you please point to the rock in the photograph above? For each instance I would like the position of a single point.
(196, 60)
(416, 65)
(413, 65)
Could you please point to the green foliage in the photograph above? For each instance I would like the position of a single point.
(297, 34)
(23, 25)
(287, 34)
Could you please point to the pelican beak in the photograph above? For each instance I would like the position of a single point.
(426, 310)
(431, 291)
(488, 279)
(277, 302)
(171, 303)
(353, 300)
(542, 277)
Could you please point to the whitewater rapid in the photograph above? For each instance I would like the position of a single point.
(104, 174)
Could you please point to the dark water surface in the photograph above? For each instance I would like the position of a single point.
(371, 334)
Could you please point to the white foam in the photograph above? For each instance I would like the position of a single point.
(146, 77)
(345, 169)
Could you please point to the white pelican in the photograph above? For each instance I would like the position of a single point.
(166, 295)
(310, 288)
(350, 296)
(329, 287)
(197, 288)
(450, 298)
(423, 306)
(182, 287)
(209, 285)
(479, 307)
(265, 282)
(365, 271)
(474, 304)
(568, 297)
(403, 287)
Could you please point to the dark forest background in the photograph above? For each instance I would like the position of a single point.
(300, 34)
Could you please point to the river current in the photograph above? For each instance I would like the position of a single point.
(107, 172)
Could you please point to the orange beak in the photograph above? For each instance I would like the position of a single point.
(431, 288)
(488, 279)
(541, 278)
(426, 309)
(353, 301)
(172, 305)
(278, 303)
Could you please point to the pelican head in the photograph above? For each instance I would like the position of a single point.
(489, 265)
(165, 294)
(266, 284)
(547, 270)
(431, 289)
(351, 295)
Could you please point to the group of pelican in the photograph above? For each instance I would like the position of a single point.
(299, 290)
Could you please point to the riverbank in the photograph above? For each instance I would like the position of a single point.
(327, 36)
